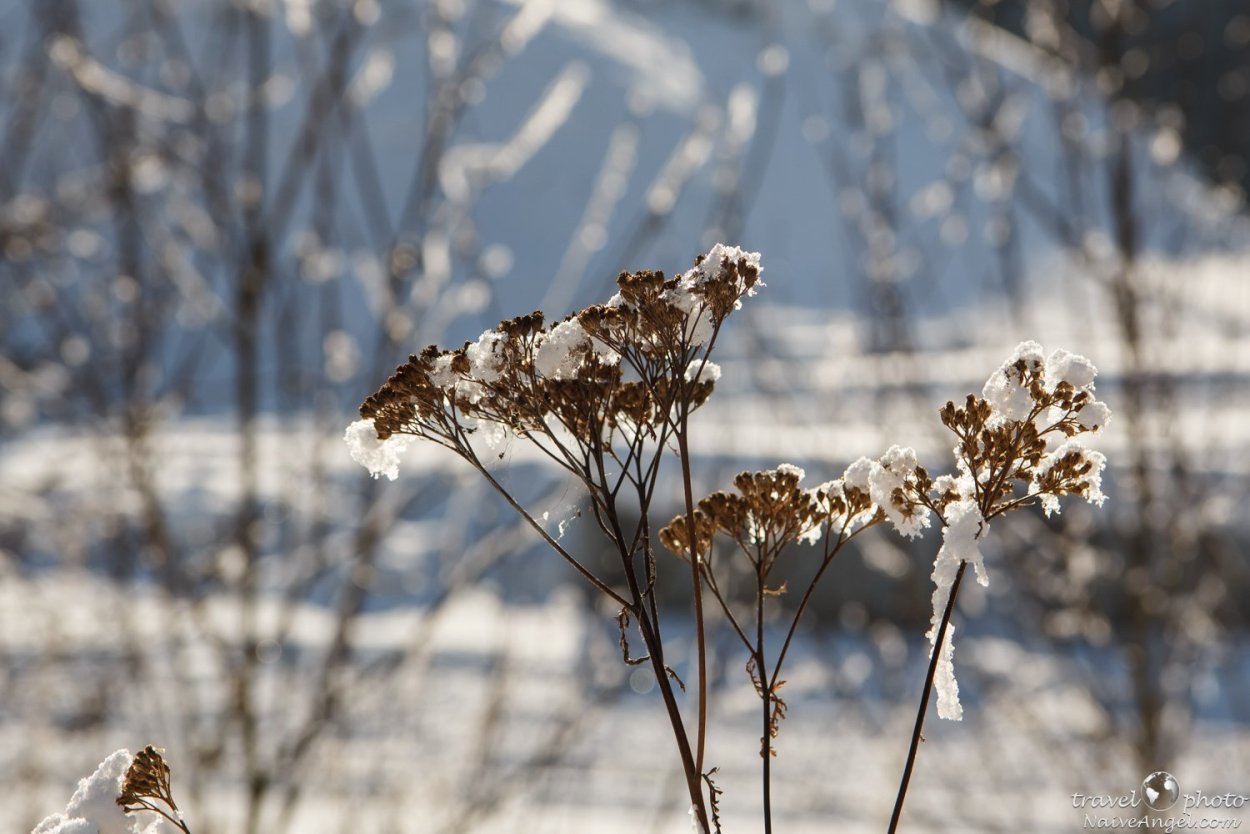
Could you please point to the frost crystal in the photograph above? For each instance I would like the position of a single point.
(380, 457)
(93, 808)
(1004, 389)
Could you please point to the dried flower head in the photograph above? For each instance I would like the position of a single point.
(146, 784)
(675, 536)
(147, 778)
(1004, 435)
(621, 367)
(1014, 446)
(894, 484)
(768, 512)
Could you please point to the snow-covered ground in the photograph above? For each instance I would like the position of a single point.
(519, 717)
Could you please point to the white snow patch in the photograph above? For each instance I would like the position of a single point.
(380, 457)
(93, 808)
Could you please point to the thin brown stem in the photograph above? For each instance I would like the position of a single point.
(694, 780)
(696, 586)
(843, 538)
(766, 751)
(156, 809)
(598, 583)
(724, 604)
(924, 699)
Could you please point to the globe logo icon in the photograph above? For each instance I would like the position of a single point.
(1160, 790)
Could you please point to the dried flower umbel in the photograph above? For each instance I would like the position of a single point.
(146, 787)
(605, 394)
(1016, 444)
(768, 513)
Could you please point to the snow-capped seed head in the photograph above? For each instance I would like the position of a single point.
(841, 507)
(790, 471)
(514, 375)
(486, 356)
(858, 475)
(380, 457)
(713, 289)
(1071, 368)
(560, 353)
(703, 371)
(1008, 390)
(1072, 469)
(1028, 404)
(856, 484)
(93, 809)
(727, 263)
(894, 487)
(1094, 415)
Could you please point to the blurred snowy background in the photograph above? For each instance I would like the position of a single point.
(222, 223)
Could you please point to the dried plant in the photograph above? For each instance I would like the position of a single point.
(1005, 459)
(606, 392)
(1014, 447)
(768, 513)
(145, 787)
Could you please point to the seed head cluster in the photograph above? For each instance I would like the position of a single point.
(146, 787)
(1017, 436)
(622, 366)
(1017, 443)
(768, 512)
